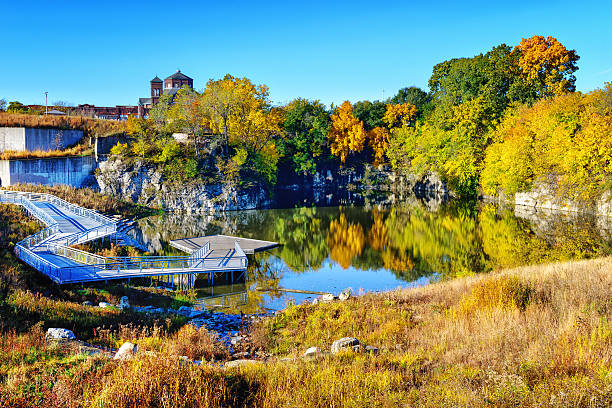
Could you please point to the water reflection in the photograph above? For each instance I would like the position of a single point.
(381, 247)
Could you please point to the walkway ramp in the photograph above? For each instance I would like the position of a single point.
(50, 251)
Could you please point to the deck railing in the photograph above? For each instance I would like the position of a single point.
(95, 267)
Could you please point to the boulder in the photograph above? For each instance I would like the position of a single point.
(126, 351)
(104, 304)
(312, 353)
(345, 343)
(60, 334)
(371, 349)
(345, 294)
(124, 303)
(328, 297)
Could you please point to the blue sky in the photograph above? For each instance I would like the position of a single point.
(106, 52)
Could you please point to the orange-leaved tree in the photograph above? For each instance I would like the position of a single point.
(399, 114)
(347, 133)
(548, 64)
(379, 142)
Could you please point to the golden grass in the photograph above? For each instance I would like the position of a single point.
(92, 127)
(78, 150)
(538, 336)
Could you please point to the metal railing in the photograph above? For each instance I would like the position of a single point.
(40, 236)
(92, 265)
(241, 255)
(76, 254)
(91, 234)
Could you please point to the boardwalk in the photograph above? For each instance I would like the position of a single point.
(50, 250)
(223, 242)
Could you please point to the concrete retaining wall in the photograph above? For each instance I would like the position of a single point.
(31, 139)
(73, 171)
(103, 145)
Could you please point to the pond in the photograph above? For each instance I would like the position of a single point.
(378, 247)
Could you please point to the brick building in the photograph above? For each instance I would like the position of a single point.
(170, 86)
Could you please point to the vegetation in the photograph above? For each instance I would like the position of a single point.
(534, 336)
(91, 127)
(473, 127)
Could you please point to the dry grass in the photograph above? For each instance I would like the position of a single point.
(91, 127)
(536, 336)
(78, 150)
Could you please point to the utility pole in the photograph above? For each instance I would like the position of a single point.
(46, 102)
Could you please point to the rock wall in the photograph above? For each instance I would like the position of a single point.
(145, 185)
(545, 196)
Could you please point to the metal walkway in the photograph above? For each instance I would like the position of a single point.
(50, 251)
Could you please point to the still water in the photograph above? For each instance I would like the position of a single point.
(378, 247)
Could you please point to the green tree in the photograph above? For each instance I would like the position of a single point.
(16, 107)
(370, 113)
(414, 96)
(306, 124)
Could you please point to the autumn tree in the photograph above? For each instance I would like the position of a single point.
(240, 112)
(347, 133)
(546, 63)
(399, 115)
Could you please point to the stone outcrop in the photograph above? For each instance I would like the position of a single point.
(544, 195)
(145, 185)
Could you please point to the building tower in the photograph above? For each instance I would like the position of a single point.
(156, 89)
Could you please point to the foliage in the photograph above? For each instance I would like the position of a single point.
(379, 142)
(566, 137)
(414, 96)
(547, 64)
(306, 124)
(370, 113)
(399, 115)
(347, 133)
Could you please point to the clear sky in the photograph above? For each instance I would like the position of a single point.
(106, 52)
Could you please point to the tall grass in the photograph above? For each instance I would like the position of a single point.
(91, 127)
(78, 150)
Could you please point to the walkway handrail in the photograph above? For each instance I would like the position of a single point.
(199, 260)
(99, 231)
(241, 255)
(77, 255)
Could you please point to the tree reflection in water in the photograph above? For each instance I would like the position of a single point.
(405, 242)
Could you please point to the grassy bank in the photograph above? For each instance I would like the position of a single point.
(533, 336)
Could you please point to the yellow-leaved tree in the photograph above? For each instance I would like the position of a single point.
(346, 133)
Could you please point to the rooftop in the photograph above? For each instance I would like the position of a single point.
(178, 75)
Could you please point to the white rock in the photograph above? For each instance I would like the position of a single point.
(344, 343)
(126, 351)
(328, 297)
(104, 305)
(345, 294)
(312, 351)
(57, 333)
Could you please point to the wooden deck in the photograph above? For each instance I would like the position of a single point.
(223, 242)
